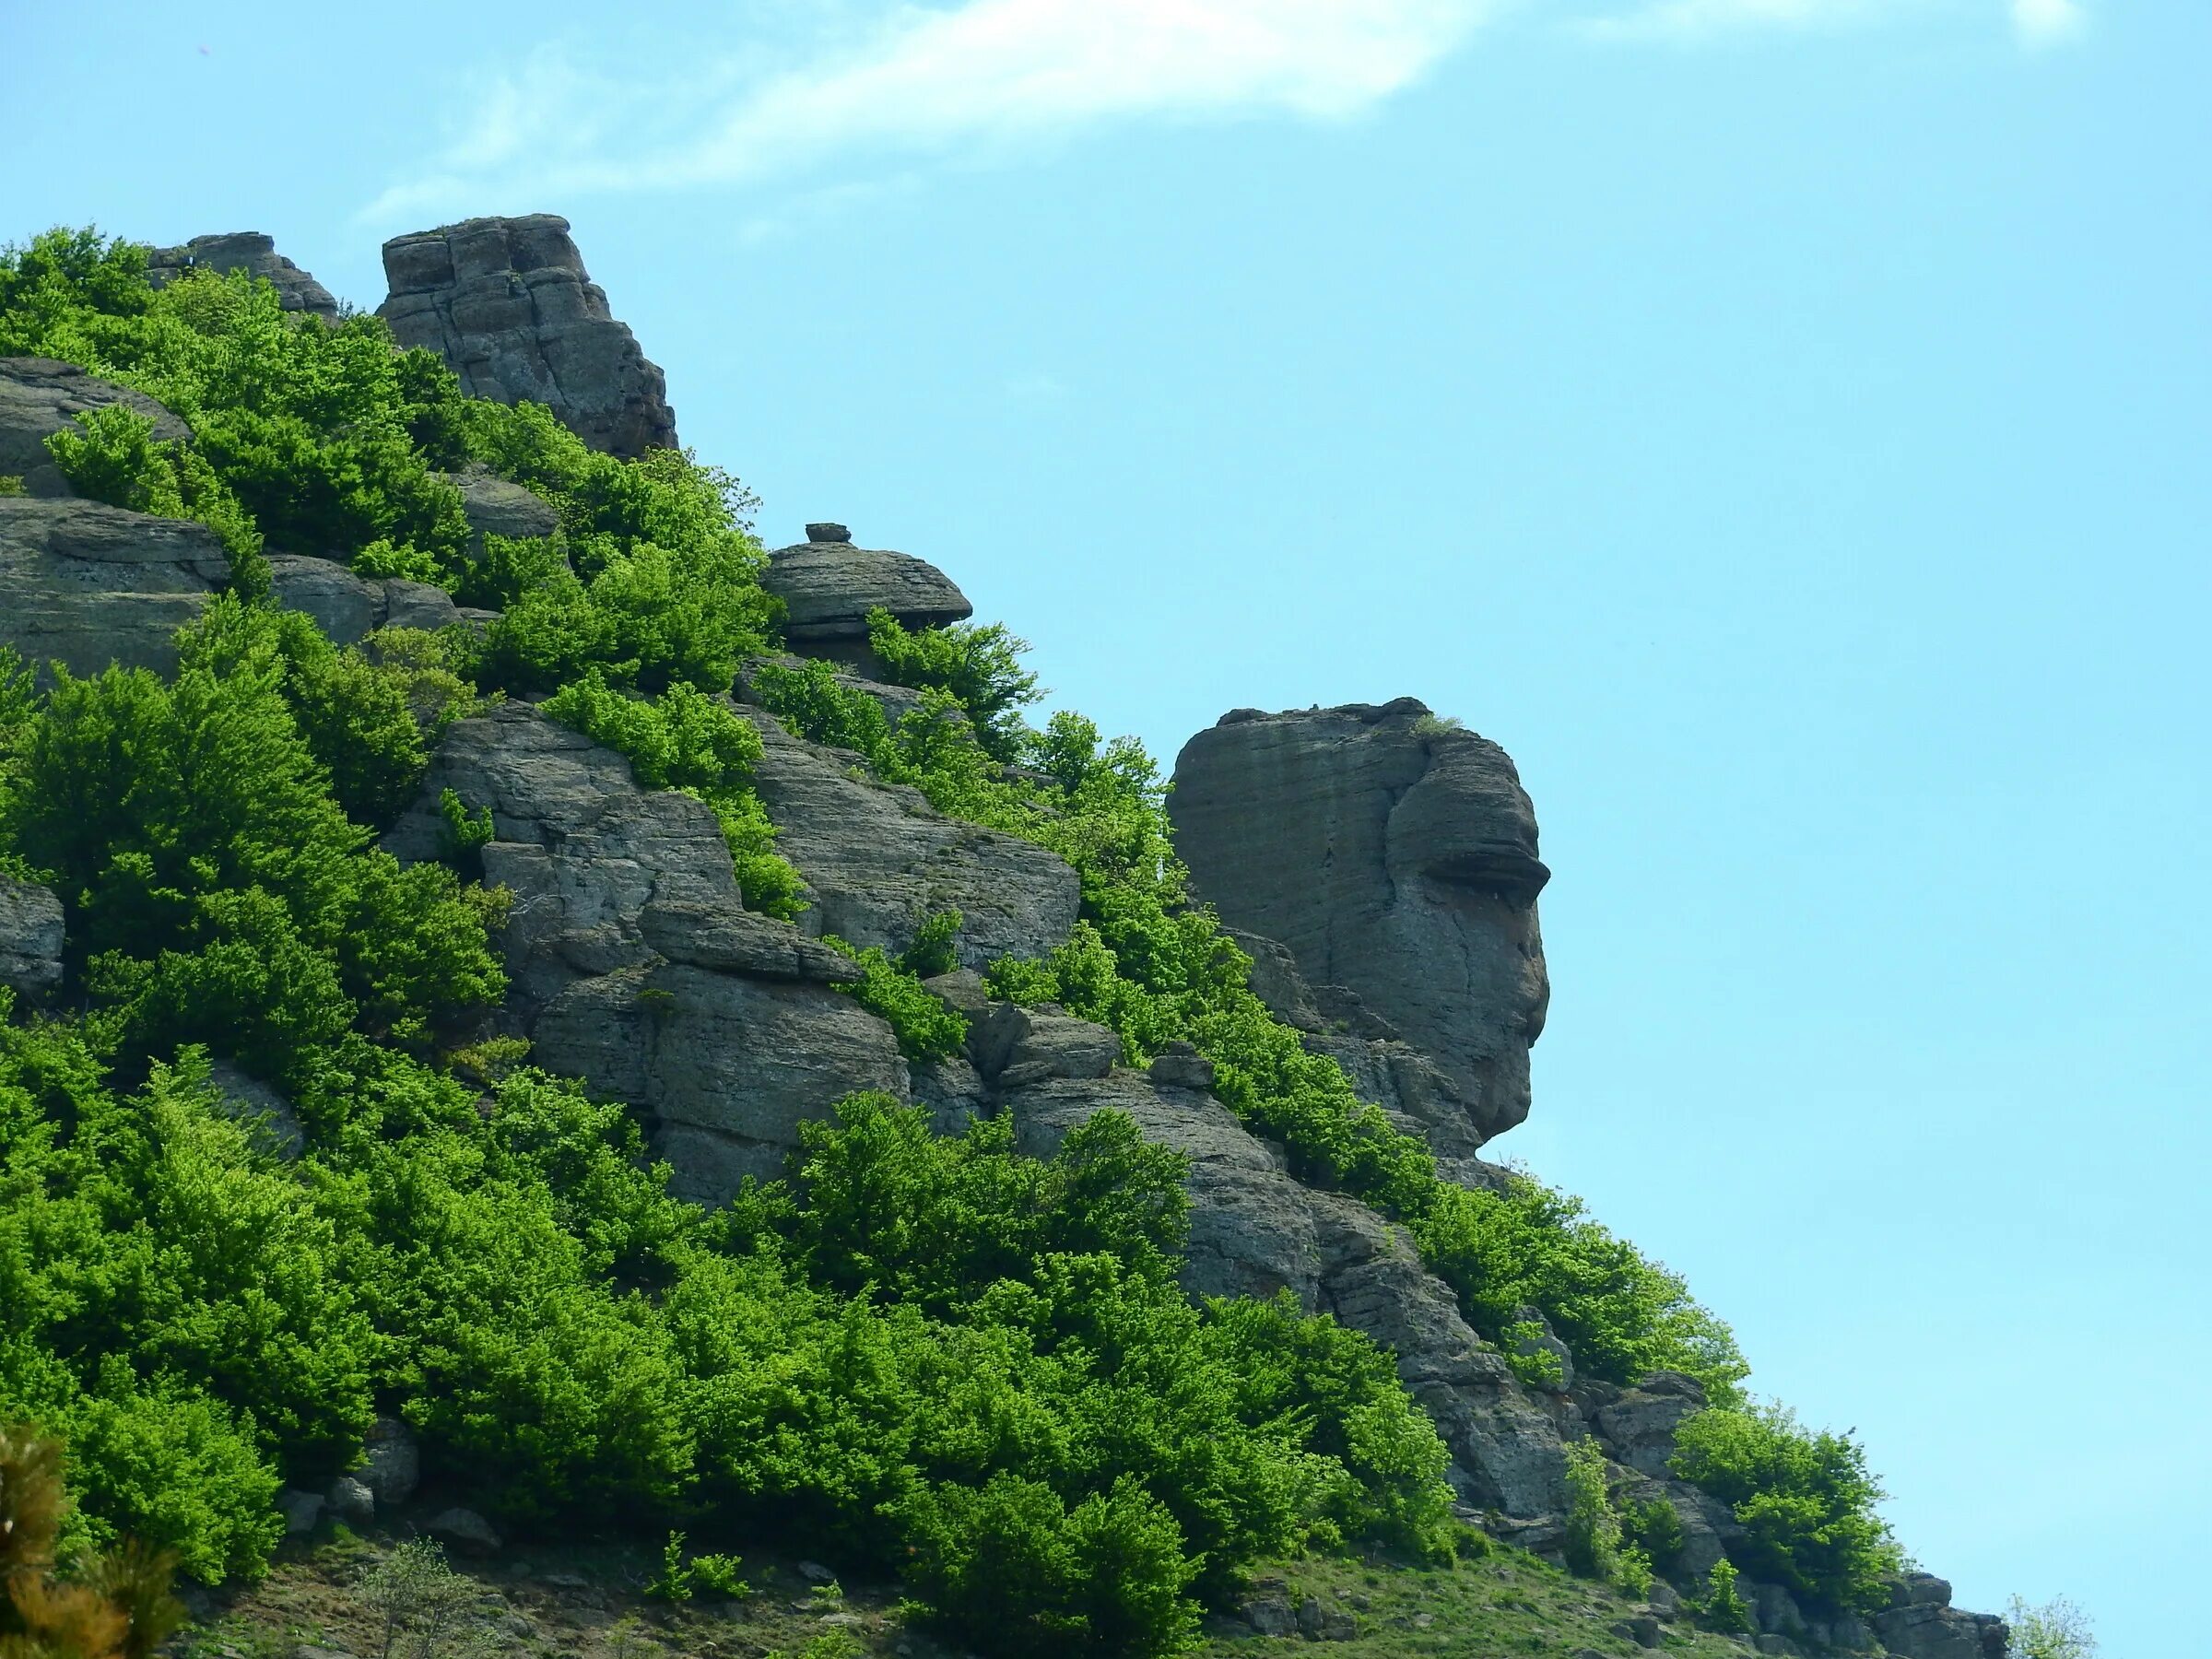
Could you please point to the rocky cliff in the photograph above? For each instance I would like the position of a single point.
(508, 303)
(1379, 867)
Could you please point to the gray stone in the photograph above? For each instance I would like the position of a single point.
(828, 587)
(33, 931)
(465, 1532)
(351, 1502)
(1395, 856)
(951, 1090)
(494, 506)
(878, 860)
(391, 1461)
(265, 1110)
(1766, 1642)
(303, 1512)
(1014, 1046)
(1638, 1428)
(349, 607)
(728, 1066)
(1180, 1066)
(1775, 1610)
(41, 396)
(1920, 1624)
(1271, 1615)
(632, 963)
(825, 531)
(509, 306)
(86, 585)
(246, 251)
(1639, 1628)
(1663, 1601)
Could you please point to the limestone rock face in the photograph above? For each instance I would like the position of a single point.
(86, 585)
(509, 306)
(249, 250)
(828, 587)
(348, 607)
(632, 961)
(30, 939)
(39, 396)
(1396, 858)
(879, 860)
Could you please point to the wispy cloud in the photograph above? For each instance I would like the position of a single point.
(881, 85)
(2047, 22)
(999, 74)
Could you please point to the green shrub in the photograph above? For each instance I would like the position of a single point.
(1805, 1499)
(978, 665)
(1722, 1607)
(116, 459)
(1011, 1565)
(925, 1027)
(1593, 1525)
(680, 1579)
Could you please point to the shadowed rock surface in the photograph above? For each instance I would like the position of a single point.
(86, 585)
(634, 962)
(31, 931)
(39, 396)
(509, 306)
(245, 250)
(1395, 857)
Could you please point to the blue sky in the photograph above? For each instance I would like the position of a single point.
(1782, 423)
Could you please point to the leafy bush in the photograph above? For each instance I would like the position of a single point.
(1723, 1607)
(2053, 1630)
(685, 740)
(925, 1027)
(978, 665)
(1012, 1565)
(1805, 1499)
(116, 459)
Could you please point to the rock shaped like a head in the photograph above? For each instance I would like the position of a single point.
(1395, 855)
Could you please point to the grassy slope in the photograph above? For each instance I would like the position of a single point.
(586, 1601)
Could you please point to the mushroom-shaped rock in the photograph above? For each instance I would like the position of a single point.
(509, 306)
(1394, 855)
(245, 250)
(41, 396)
(827, 586)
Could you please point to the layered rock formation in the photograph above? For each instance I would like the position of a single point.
(1394, 857)
(39, 397)
(829, 585)
(509, 307)
(245, 250)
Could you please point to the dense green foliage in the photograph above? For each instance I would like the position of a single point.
(1805, 1499)
(920, 1352)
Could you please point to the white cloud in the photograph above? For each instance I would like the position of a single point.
(875, 85)
(997, 74)
(2047, 22)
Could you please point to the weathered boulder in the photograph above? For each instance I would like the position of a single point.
(1396, 856)
(632, 961)
(497, 506)
(1638, 1426)
(828, 587)
(391, 1464)
(32, 933)
(879, 860)
(86, 585)
(246, 251)
(509, 306)
(41, 396)
(349, 607)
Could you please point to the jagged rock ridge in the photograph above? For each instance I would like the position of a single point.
(509, 307)
(247, 251)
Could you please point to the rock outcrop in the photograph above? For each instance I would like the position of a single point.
(509, 307)
(245, 250)
(30, 939)
(634, 963)
(827, 586)
(39, 396)
(1395, 857)
(879, 860)
(86, 585)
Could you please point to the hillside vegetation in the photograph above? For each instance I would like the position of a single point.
(921, 1356)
